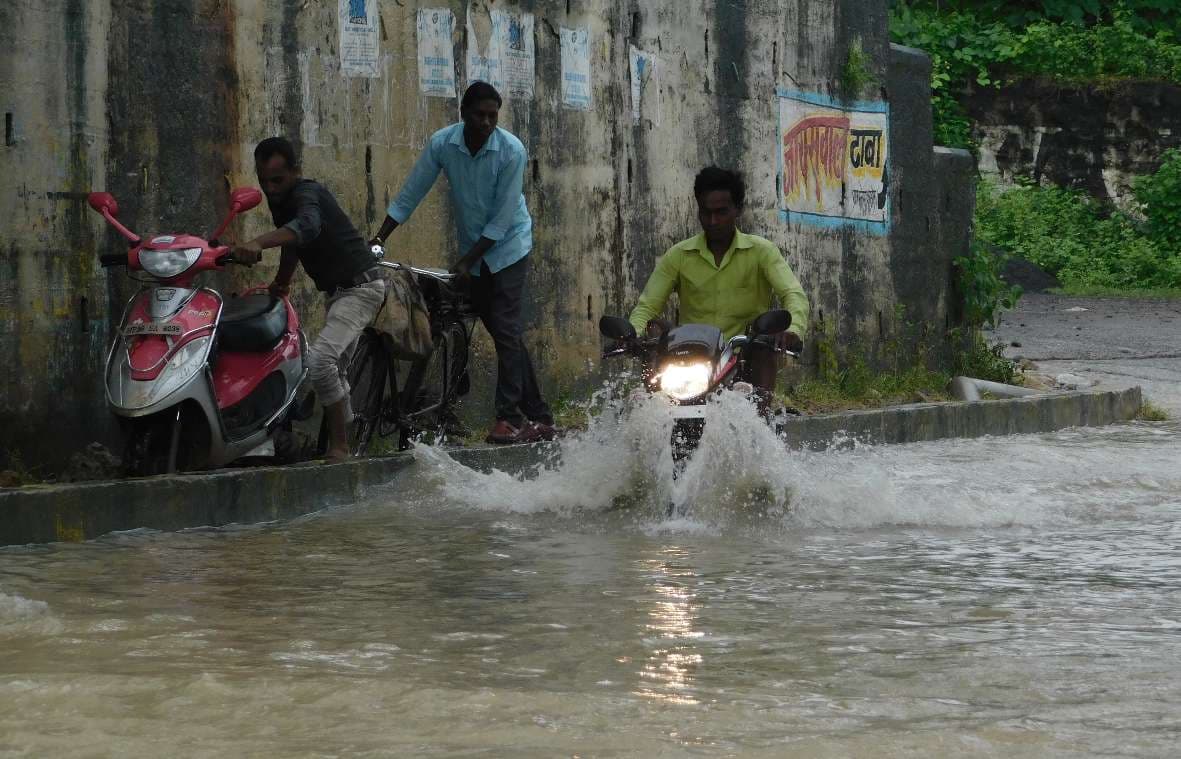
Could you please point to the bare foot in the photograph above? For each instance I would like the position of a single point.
(337, 455)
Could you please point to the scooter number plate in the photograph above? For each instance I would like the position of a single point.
(170, 330)
(689, 412)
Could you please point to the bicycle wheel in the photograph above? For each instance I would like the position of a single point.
(432, 381)
(367, 371)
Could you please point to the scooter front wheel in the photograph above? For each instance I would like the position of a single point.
(148, 449)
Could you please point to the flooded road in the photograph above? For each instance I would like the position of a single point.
(1003, 597)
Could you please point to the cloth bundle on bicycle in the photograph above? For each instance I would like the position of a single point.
(404, 316)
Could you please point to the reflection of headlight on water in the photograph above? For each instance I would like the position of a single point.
(168, 263)
(685, 381)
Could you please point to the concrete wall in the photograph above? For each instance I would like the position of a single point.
(1089, 137)
(162, 101)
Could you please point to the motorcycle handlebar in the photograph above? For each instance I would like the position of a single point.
(225, 257)
(112, 259)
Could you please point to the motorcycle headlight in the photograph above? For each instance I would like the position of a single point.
(168, 263)
(685, 381)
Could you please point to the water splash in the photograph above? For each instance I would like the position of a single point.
(743, 477)
(21, 616)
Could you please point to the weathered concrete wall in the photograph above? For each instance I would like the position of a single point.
(162, 101)
(1093, 138)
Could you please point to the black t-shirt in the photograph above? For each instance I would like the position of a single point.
(330, 248)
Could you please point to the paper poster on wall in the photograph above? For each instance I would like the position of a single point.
(358, 38)
(515, 34)
(643, 76)
(833, 161)
(436, 60)
(483, 64)
(576, 81)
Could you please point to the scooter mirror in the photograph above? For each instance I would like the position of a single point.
(772, 322)
(616, 327)
(245, 198)
(103, 201)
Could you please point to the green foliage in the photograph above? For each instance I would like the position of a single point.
(981, 360)
(856, 385)
(1160, 197)
(985, 295)
(986, 43)
(856, 74)
(1072, 236)
(1150, 412)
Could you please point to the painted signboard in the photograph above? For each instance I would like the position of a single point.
(436, 60)
(358, 38)
(576, 77)
(834, 162)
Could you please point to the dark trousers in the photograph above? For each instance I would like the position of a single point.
(497, 299)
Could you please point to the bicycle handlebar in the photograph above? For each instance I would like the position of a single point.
(433, 273)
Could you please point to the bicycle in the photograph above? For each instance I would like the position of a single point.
(423, 406)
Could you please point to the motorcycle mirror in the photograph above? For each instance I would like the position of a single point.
(245, 198)
(616, 327)
(103, 201)
(241, 199)
(772, 322)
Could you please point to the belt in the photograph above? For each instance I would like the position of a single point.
(368, 275)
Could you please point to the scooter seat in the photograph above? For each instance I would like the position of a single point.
(251, 323)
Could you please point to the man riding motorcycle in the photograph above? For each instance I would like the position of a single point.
(726, 278)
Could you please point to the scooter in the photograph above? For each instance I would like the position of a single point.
(688, 363)
(197, 381)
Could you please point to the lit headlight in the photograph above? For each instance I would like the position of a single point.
(685, 381)
(168, 263)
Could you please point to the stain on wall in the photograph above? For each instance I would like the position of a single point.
(1095, 139)
(103, 95)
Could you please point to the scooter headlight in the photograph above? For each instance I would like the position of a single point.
(685, 381)
(166, 264)
(135, 394)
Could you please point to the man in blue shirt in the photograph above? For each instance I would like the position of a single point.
(485, 168)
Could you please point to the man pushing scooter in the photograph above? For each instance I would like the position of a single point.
(313, 231)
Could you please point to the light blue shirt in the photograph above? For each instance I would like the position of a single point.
(485, 192)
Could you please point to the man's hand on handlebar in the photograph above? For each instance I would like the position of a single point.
(656, 328)
(247, 254)
(789, 341)
(279, 289)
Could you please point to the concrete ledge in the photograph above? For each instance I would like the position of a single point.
(82, 511)
(934, 421)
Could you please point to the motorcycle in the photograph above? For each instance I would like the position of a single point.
(689, 363)
(198, 381)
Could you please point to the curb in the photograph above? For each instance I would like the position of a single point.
(963, 419)
(83, 511)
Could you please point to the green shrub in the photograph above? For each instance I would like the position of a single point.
(1071, 236)
(1160, 197)
(985, 43)
(983, 291)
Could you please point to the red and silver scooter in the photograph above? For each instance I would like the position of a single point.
(197, 380)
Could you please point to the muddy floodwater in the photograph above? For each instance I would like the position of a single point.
(1012, 597)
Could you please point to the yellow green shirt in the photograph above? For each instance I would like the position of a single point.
(730, 296)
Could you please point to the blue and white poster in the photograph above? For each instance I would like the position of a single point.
(436, 57)
(359, 38)
(576, 73)
(516, 52)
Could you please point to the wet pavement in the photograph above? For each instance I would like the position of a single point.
(1112, 343)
